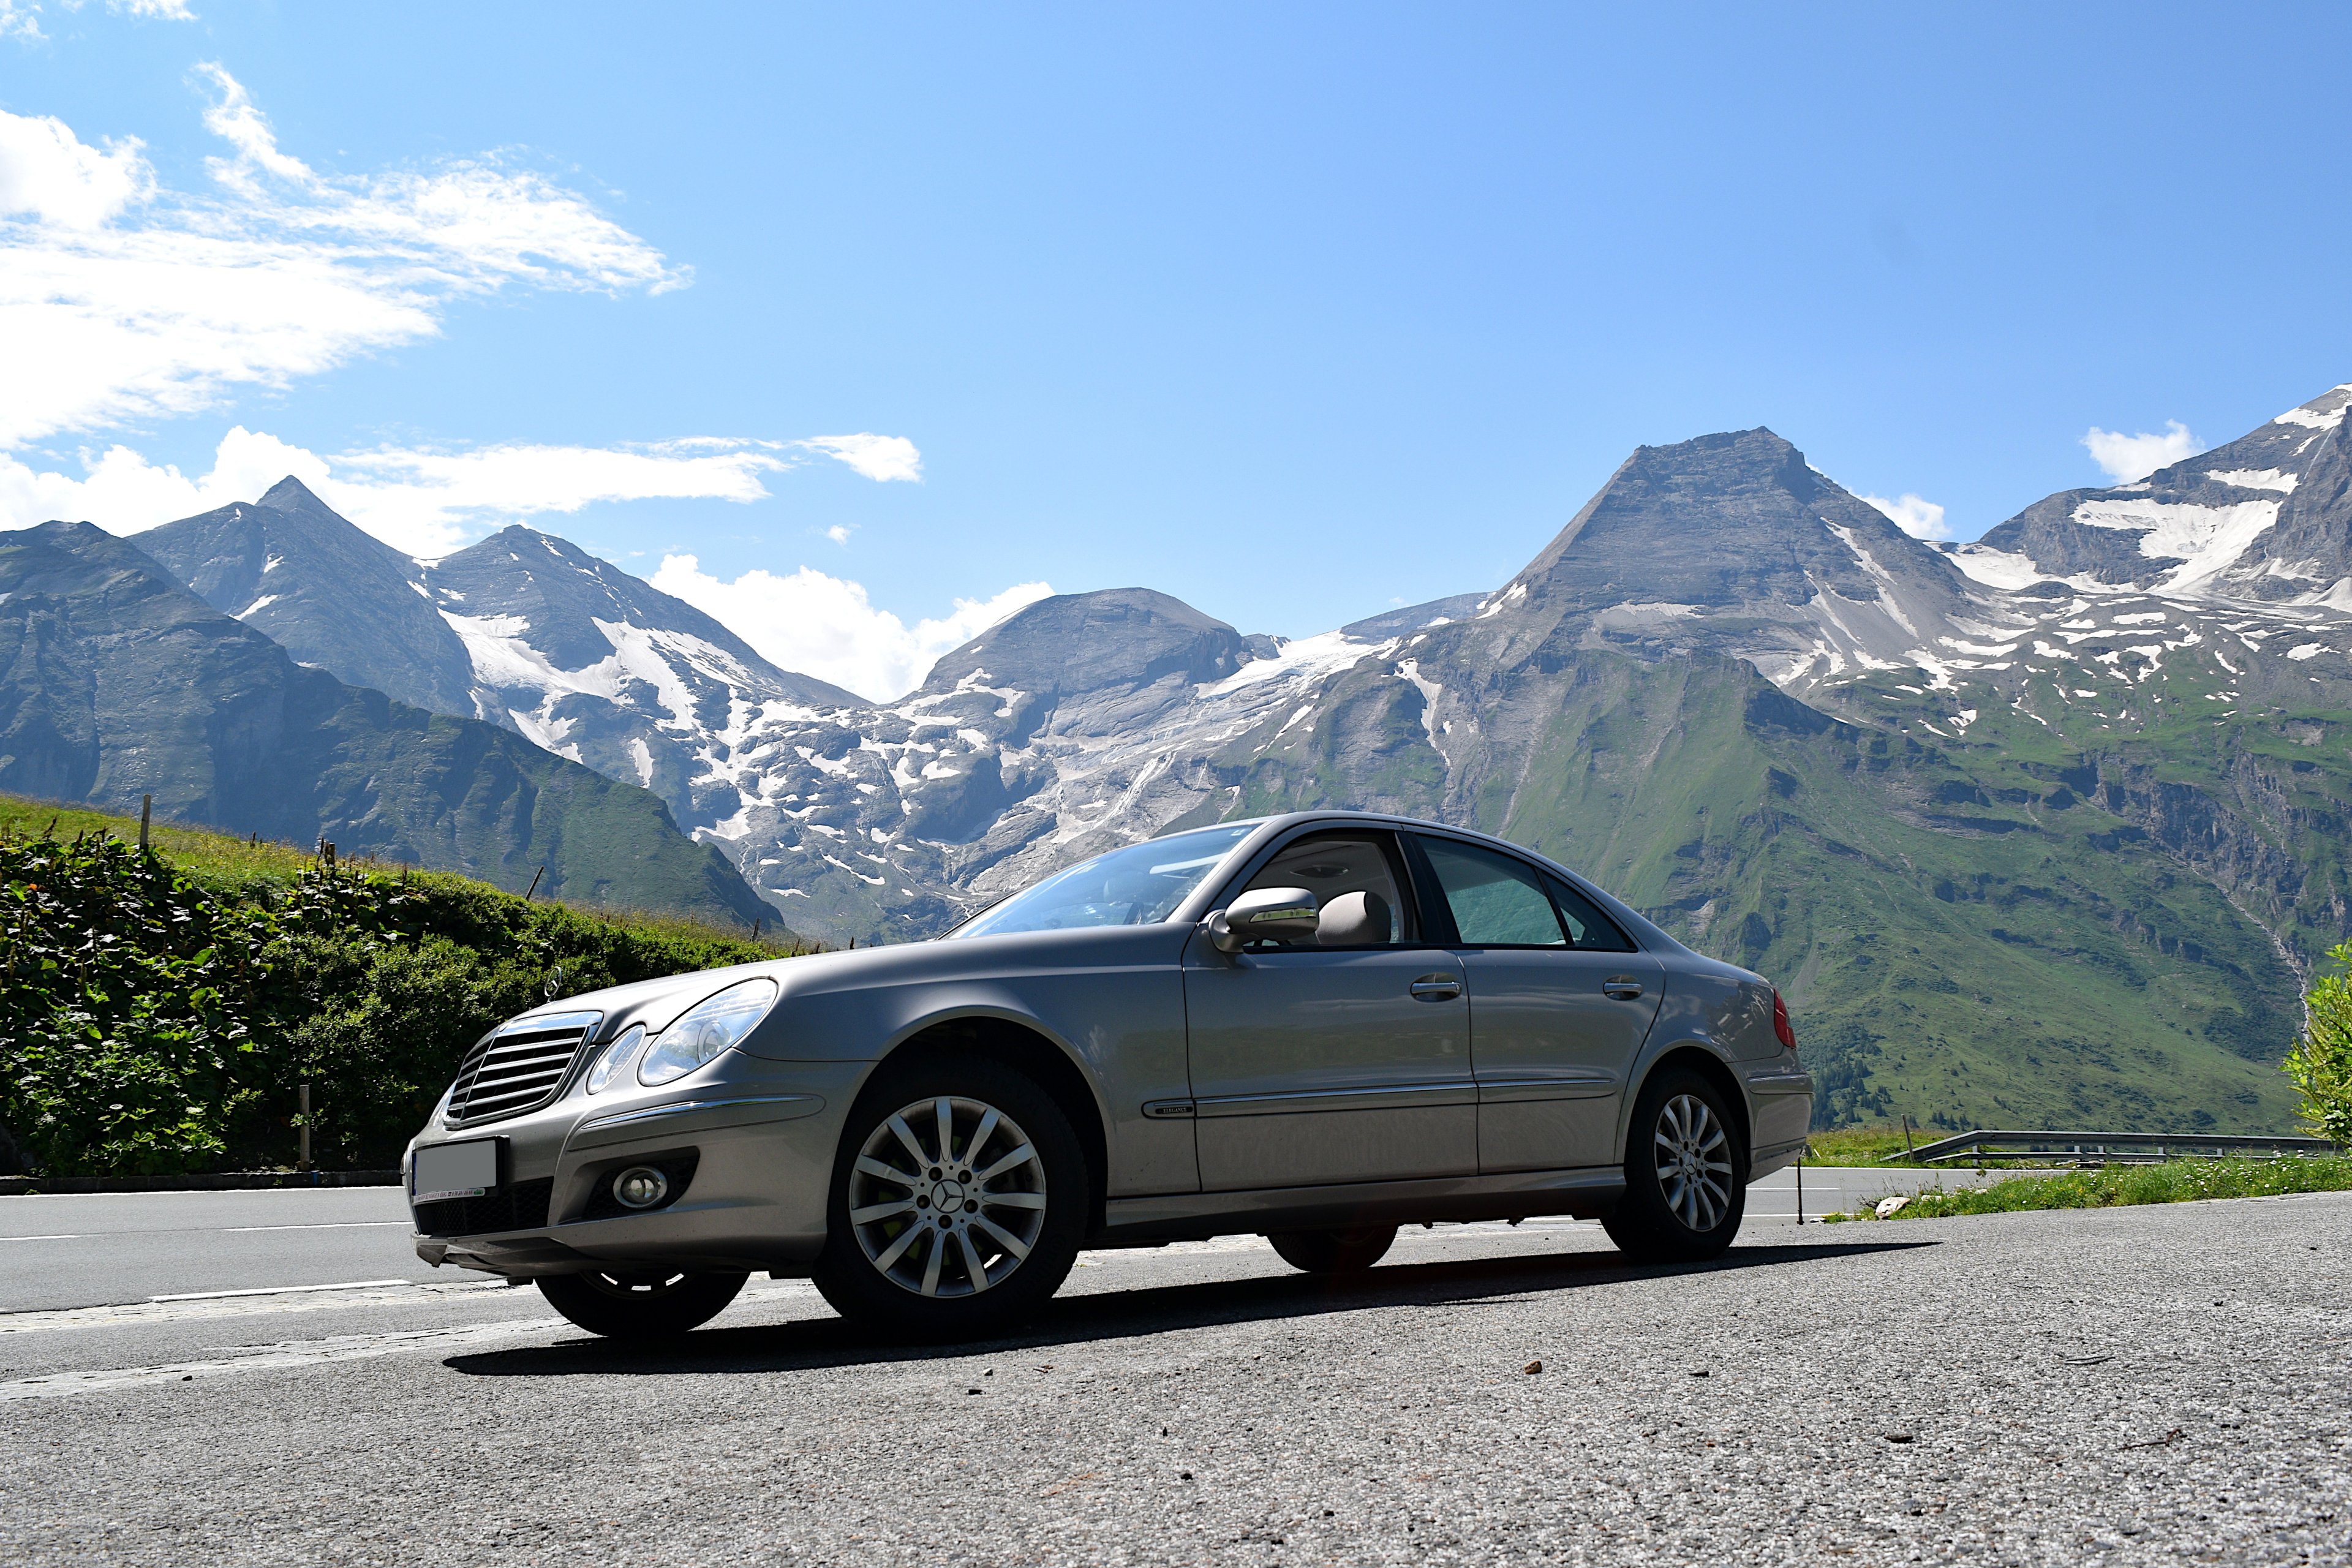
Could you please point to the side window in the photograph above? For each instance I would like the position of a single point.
(1497, 901)
(1588, 928)
(1332, 866)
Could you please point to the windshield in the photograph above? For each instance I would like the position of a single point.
(1139, 885)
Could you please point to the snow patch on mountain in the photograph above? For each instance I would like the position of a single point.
(2205, 539)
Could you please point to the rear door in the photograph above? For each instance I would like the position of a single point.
(1561, 1003)
(1312, 1065)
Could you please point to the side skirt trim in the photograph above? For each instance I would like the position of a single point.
(1586, 1193)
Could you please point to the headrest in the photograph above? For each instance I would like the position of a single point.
(1353, 919)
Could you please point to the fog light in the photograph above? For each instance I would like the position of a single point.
(640, 1187)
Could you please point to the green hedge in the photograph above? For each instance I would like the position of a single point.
(148, 1026)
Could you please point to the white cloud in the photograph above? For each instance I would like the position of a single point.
(2129, 459)
(424, 502)
(878, 457)
(826, 626)
(48, 176)
(22, 18)
(122, 302)
(1918, 517)
(838, 533)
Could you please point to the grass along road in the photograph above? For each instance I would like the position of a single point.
(2111, 1186)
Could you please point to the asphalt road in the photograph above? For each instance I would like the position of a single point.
(82, 1251)
(2126, 1387)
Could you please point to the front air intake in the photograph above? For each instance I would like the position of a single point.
(518, 1068)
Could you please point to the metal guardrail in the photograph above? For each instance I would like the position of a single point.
(2103, 1148)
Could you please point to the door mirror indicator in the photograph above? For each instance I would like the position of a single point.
(1285, 914)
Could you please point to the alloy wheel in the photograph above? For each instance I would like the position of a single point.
(1694, 1163)
(948, 1196)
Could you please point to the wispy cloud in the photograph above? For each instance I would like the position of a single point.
(22, 18)
(1919, 518)
(826, 627)
(878, 457)
(2130, 458)
(121, 300)
(424, 501)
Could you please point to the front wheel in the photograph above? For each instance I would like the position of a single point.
(1686, 1164)
(640, 1305)
(959, 1200)
(1334, 1251)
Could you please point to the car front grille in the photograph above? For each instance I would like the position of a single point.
(519, 1206)
(518, 1068)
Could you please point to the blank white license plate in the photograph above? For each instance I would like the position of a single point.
(455, 1170)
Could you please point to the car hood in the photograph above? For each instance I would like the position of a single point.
(656, 1004)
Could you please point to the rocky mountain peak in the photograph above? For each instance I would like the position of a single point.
(1077, 643)
(290, 494)
(331, 594)
(1733, 544)
(1724, 520)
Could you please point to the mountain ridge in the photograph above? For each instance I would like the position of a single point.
(117, 682)
(1727, 686)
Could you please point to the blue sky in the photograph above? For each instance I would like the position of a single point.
(1296, 312)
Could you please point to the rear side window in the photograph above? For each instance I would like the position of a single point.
(1497, 901)
(1588, 928)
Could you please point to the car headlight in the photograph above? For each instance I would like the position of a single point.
(615, 1058)
(709, 1028)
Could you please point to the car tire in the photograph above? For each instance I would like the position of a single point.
(1006, 1189)
(640, 1304)
(1334, 1251)
(1685, 1173)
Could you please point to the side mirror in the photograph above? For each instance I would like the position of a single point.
(1285, 914)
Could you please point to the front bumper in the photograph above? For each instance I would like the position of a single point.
(763, 1151)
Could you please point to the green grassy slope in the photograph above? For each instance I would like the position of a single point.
(244, 869)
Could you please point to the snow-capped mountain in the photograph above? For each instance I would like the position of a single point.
(1092, 719)
(597, 666)
(2067, 797)
(2265, 520)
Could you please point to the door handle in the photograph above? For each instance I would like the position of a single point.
(1620, 988)
(1436, 988)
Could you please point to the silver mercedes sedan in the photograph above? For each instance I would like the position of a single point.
(1316, 1027)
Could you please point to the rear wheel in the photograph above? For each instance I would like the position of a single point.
(959, 1200)
(1334, 1251)
(1685, 1168)
(644, 1304)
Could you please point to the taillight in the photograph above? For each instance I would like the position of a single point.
(1781, 1028)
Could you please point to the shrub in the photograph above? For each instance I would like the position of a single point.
(148, 1026)
(2321, 1062)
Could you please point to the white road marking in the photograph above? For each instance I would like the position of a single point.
(330, 1224)
(134, 1314)
(278, 1290)
(40, 1239)
(293, 1353)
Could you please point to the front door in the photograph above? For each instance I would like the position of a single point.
(1316, 1065)
(1561, 1003)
